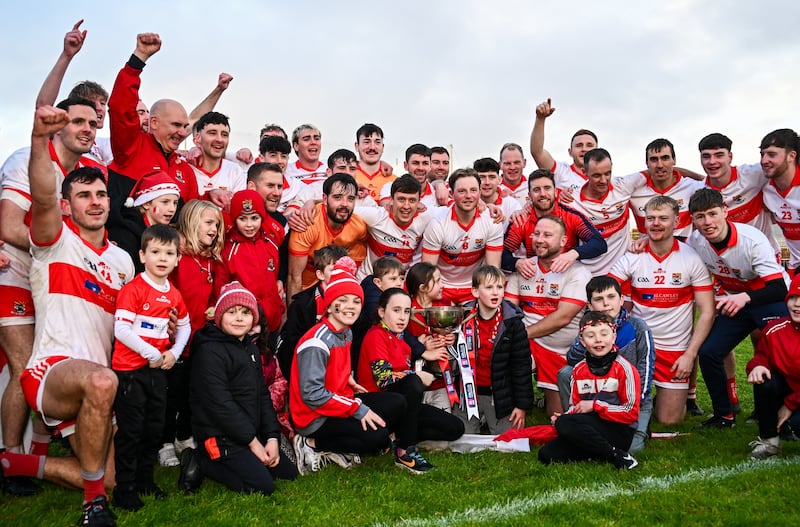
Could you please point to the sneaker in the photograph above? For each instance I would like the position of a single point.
(97, 514)
(191, 476)
(752, 419)
(693, 408)
(623, 460)
(413, 461)
(718, 423)
(763, 449)
(167, 456)
(127, 498)
(308, 459)
(18, 485)
(787, 433)
(354, 459)
(183, 444)
(339, 459)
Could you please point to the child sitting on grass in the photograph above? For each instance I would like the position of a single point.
(606, 392)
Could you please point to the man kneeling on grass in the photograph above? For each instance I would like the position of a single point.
(606, 392)
(774, 372)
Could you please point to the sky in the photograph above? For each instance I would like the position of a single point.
(466, 75)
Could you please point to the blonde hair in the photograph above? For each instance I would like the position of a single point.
(189, 223)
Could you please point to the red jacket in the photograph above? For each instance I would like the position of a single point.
(616, 394)
(779, 351)
(191, 278)
(254, 263)
(137, 153)
(382, 352)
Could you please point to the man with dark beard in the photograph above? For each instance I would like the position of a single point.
(334, 224)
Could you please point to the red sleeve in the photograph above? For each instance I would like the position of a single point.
(628, 391)
(126, 132)
(514, 237)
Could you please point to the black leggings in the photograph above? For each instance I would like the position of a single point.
(243, 472)
(422, 421)
(585, 436)
(178, 419)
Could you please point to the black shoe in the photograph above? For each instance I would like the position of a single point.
(151, 489)
(718, 423)
(127, 498)
(191, 476)
(19, 485)
(623, 460)
(97, 514)
(693, 408)
(787, 433)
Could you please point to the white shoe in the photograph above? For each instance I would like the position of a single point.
(167, 456)
(183, 444)
(343, 460)
(763, 449)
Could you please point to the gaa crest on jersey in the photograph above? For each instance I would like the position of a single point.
(737, 273)
(179, 176)
(247, 205)
(738, 198)
(271, 265)
(677, 278)
(19, 308)
(553, 291)
(479, 243)
(146, 306)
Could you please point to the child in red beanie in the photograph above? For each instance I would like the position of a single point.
(251, 257)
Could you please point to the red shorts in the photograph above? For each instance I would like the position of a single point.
(16, 306)
(32, 381)
(663, 377)
(457, 295)
(547, 365)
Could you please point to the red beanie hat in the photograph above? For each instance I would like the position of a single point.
(247, 202)
(150, 187)
(794, 287)
(342, 283)
(235, 294)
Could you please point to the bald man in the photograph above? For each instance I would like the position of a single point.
(138, 152)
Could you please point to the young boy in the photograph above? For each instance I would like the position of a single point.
(302, 313)
(142, 354)
(634, 341)
(774, 372)
(497, 340)
(606, 392)
(324, 410)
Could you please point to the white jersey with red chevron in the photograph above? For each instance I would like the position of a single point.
(297, 171)
(75, 287)
(540, 295)
(745, 264)
(663, 291)
(743, 195)
(461, 248)
(680, 191)
(229, 176)
(785, 209)
(568, 177)
(427, 197)
(519, 191)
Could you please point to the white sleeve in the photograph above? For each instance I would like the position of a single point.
(123, 332)
(182, 333)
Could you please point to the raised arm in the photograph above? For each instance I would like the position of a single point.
(541, 157)
(73, 42)
(211, 100)
(45, 206)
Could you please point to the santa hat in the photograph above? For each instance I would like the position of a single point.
(247, 202)
(150, 187)
(235, 294)
(342, 283)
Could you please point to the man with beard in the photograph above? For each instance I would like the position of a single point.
(668, 281)
(781, 166)
(440, 164)
(334, 224)
(461, 240)
(551, 302)
(216, 176)
(542, 191)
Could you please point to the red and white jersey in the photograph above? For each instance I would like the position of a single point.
(743, 195)
(745, 264)
(146, 306)
(519, 191)
(101, 151)
(75, 288)
(568, 177)
(508, 206)
(229, 176)
(427, 197)
(663, 290)
(785, 209)
(16, 188)
(540, 295)
(296, 171)
(291, 191)
(461, 248)
(611, 217)
(385, 237)
(313, 192)
(680, 191)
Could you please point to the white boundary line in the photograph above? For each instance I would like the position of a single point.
(519, 507)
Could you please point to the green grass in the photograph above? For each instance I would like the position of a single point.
(495, 489)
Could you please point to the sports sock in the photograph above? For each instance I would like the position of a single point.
(22, 465)
(40, 443)
(692, 391)
(92, 484)
(733, 392)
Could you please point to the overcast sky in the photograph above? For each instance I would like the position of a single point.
(462, 73)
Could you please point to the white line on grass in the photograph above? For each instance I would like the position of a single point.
(522, 506)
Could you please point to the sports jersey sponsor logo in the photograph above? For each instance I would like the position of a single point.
(524, 287)
(92, 286)
(163, 299)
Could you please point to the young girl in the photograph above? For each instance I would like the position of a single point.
(606, 392)
(424, 285)
(251, 257)
(201, 228)
(232, 414)
(386, 364)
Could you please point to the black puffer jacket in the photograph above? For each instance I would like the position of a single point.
(229, 399)
(512, 385)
